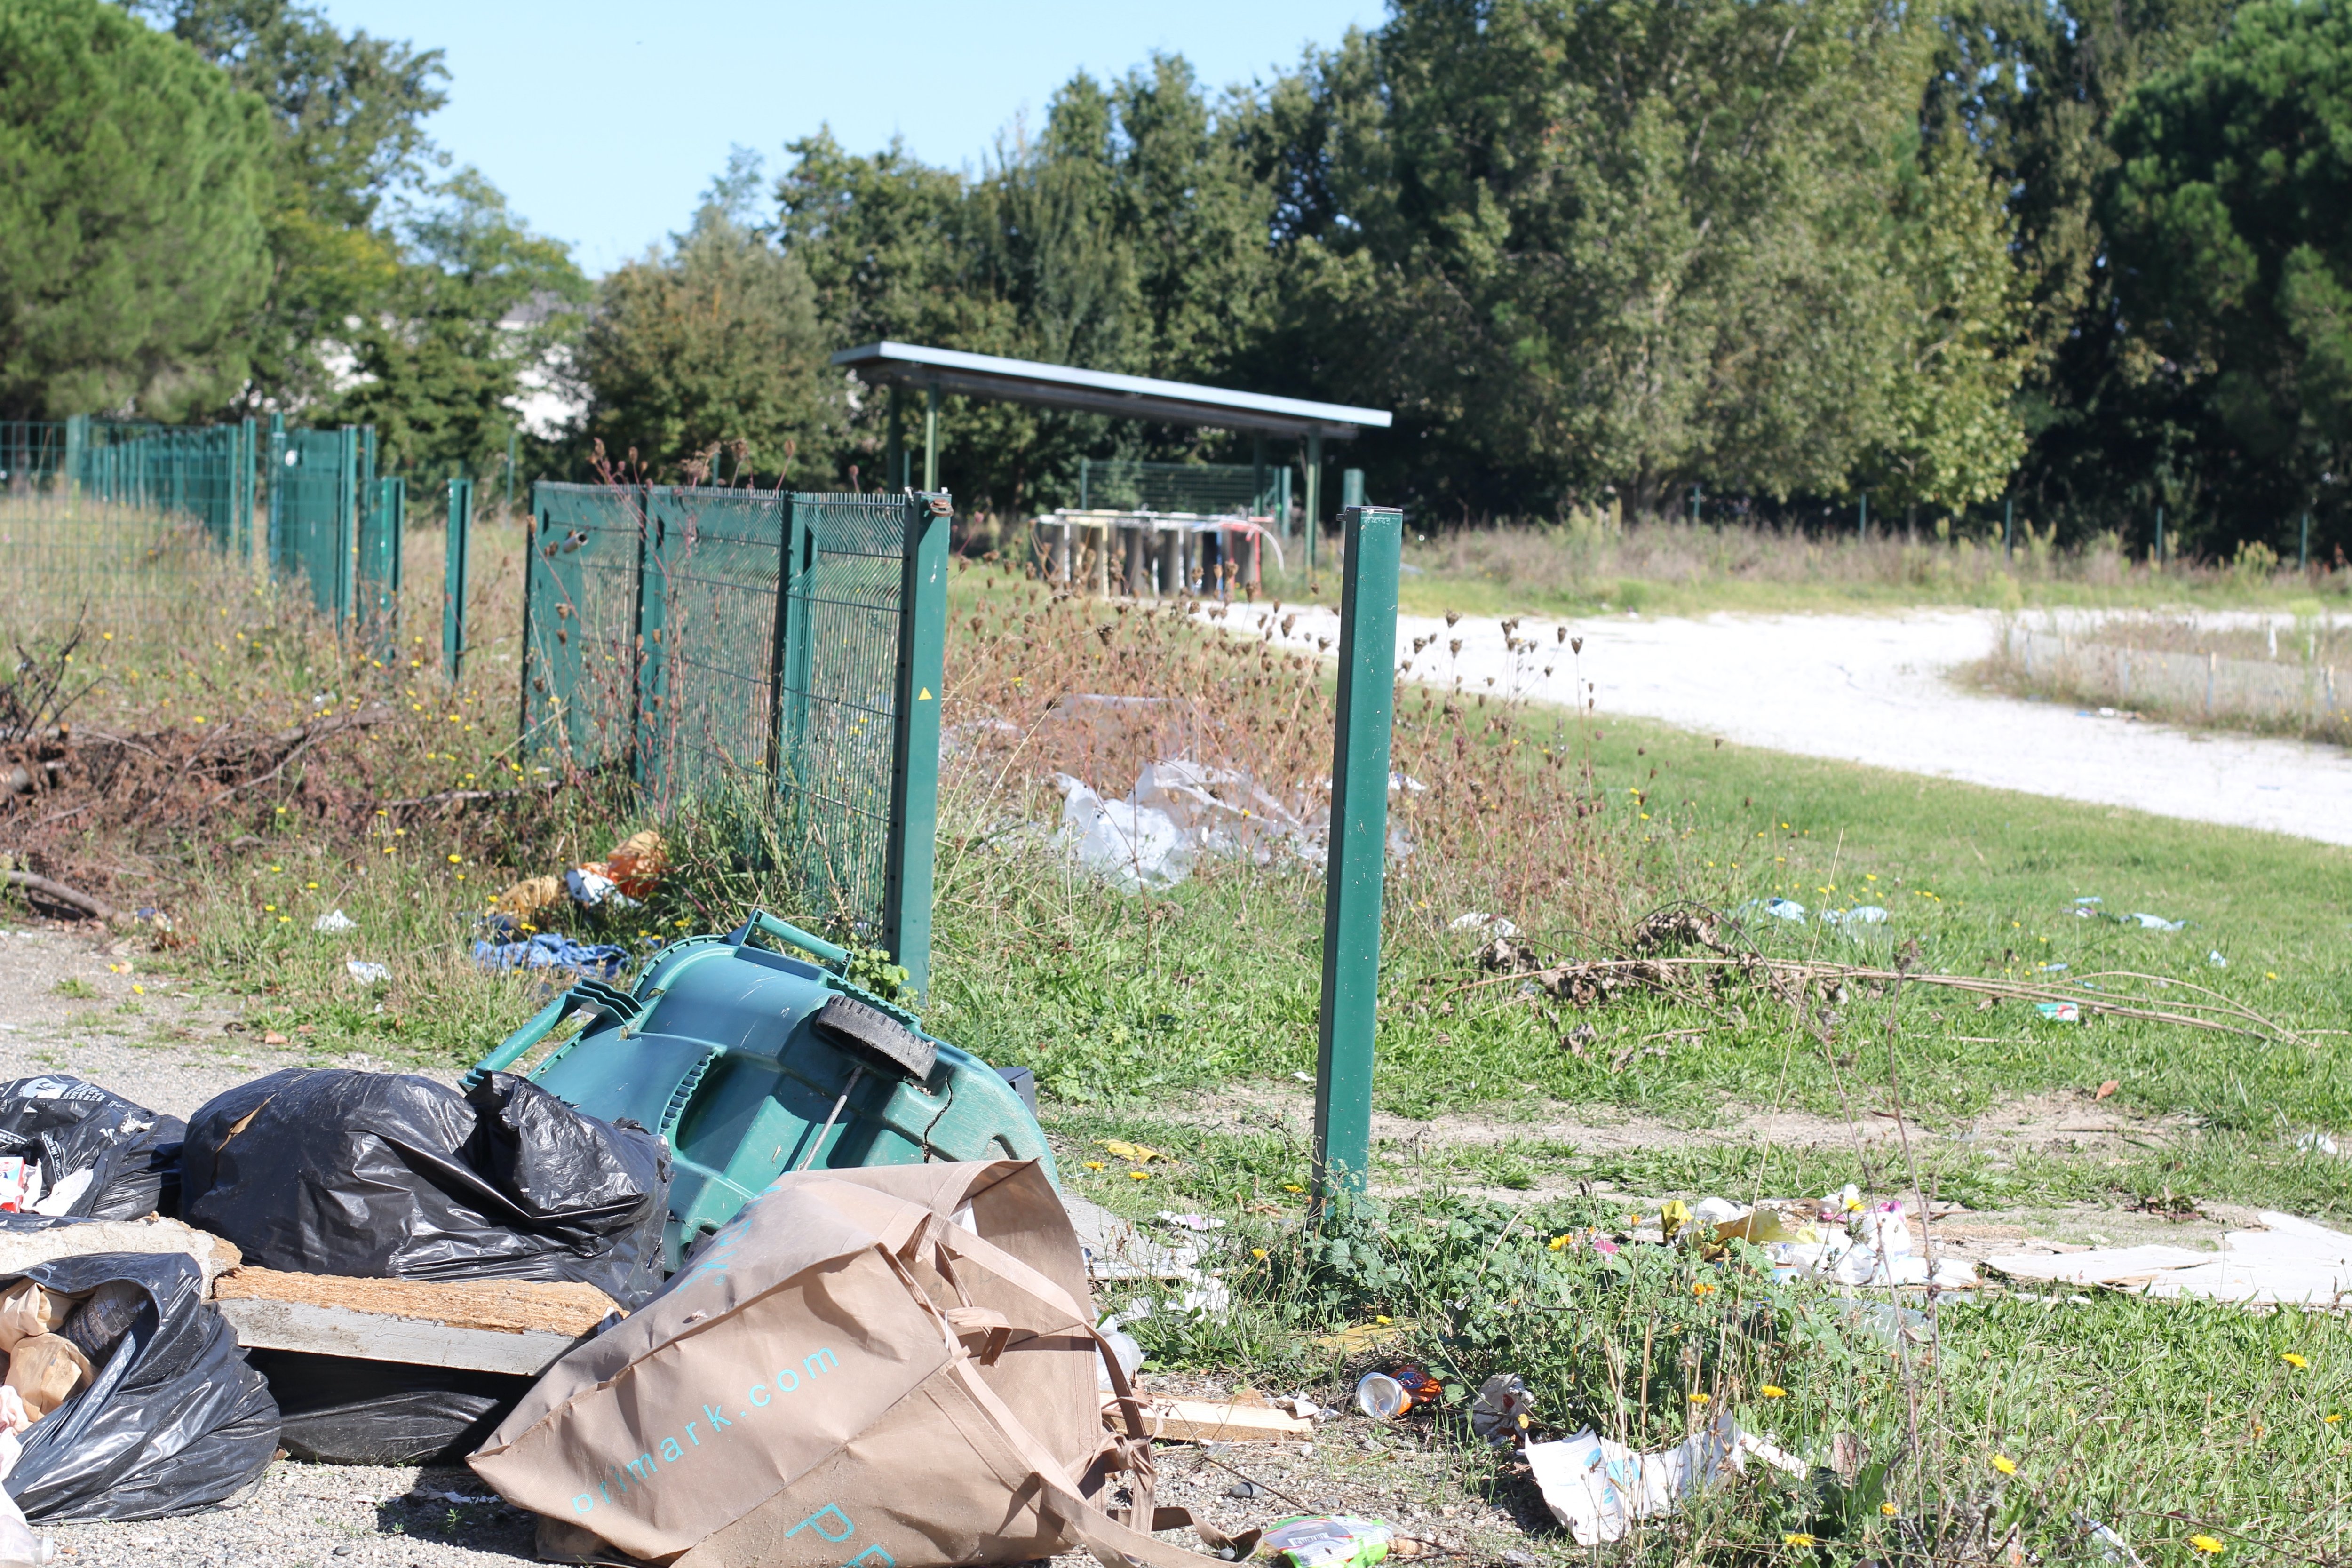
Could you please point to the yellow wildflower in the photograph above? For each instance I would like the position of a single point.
(1773, 1390)
(2294, 1360)
(2004, 1464)
(2206, 1544)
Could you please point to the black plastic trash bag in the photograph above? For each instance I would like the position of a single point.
(132, 1153)
(173, 1421)
(396, 1177)
(338, 1410)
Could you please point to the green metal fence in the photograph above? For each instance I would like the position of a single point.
(337, 526)
(718, 640)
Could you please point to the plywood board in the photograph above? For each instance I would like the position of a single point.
(264, 1324)
(507, 1306)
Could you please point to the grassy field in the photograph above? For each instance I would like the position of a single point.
(1588, 562)
(1511, 1119)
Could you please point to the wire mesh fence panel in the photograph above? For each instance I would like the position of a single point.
(204, 473)
(2280, 692)
(580, 623)
(836, 705)
(313, 505)
(376, 569)
(32, 454)
(706, 713)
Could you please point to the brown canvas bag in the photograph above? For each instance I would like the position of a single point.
(892, 1367)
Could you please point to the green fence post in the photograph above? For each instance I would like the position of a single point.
(2159, 536)
(2007, 528)
(1863, 531)
(894, 446)
(1357, 856)
(915, 738)
(274, 530)
(2303, 546)
(347, 524)
(377, 608)
(455, 558)
(1314, 497)
(1351, 488)
(514, 459)
(650, 687)
(930, 439)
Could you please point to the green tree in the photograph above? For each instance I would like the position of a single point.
(348, 112)
(717, 341)
(2232, 220)
(1615, 243)
(478, 304)
(132, 216)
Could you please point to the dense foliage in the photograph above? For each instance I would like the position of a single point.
(1754, 258)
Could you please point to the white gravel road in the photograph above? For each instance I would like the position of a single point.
(1875, 689)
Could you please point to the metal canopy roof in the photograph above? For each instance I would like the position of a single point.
(1100, 392)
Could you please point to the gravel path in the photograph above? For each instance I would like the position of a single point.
(1875, 689)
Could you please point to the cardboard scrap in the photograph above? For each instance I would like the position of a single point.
(2288, 1260)
(1243, 1419)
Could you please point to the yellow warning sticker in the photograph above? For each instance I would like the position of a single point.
(925, 696)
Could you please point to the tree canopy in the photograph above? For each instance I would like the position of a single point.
(133, 215)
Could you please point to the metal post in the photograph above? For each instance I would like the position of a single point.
(894, 449)
(915, 748)
(1260, 503)
(1351, 488)
(514, 461)
(1358, 855)
(274, 543)
(1314, 496)
(1864, 530)
(2303, 546)
(2159, 536)
(930, 439)
(2007, 528)
(1083, 465)
(455, 559)
(1694, 505)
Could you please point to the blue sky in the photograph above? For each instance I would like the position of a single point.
(601, 122)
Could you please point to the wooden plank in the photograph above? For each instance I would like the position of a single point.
(315, 1330)
(1211, 1421)
(512, 1306)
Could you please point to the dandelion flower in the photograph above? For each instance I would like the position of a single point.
(1380, 1321)
(1292, 1187)
(2294, 1360)
(1258, 1253)
(1139, 1175)
(1095, 1165)
(1796, 1540)
(1887, 1508)
(1698, 1399)
(1557, 1242)
(2207, 1544)
(2332, 1420)
(1773, 1390)
(1702, 1289)
(2004, 1464)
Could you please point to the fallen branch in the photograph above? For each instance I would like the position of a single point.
(468, 797)
(59, 893)
(300, 739)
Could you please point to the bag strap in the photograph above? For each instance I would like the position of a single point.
(1113, 1544)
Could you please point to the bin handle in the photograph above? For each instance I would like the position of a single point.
(512, 1048)
(783, 931)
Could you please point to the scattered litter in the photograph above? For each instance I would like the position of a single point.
(2216, 959)
(1178, 811)
(2290, 1260)
(552, 950)
(1303, 1077)
(1780, 908)
(2105, 1089)
(1199, 1222)
(366, 972)
(1129, 845)
(2060, 1012)
(1598, 1488)
(2056, 966)
(1861, 915)
(2151, 922)
(1333, 1540)
(1387, 1395)
(2114, 1548)
(624, 879)
(1479, 921)
(2316, 1143)
(1135, 1152)
(1503, 1410)
(1357, 1338)
(1407, 782)
(2086, 909)
(334, 920)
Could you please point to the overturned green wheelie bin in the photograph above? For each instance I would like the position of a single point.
(750, 1062)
